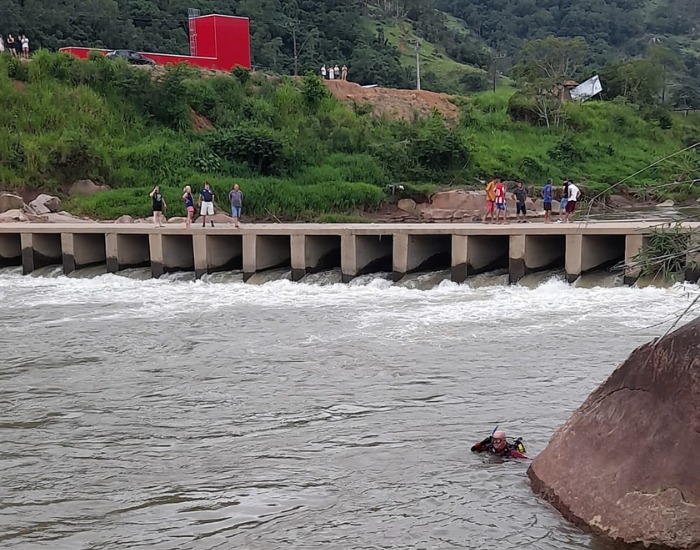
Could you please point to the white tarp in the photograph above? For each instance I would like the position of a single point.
(588, 89)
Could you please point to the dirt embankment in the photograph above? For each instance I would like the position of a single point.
(393, 103)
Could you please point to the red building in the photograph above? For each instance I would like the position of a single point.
(218, 42)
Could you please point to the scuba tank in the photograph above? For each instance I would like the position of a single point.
(517, 444)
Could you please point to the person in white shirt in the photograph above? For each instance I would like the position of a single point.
(25, 47)
(2, 45)
(574, 194)
(323, 72)
(331, 73)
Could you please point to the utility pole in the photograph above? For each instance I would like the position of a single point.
(494, 57)
(418, 44)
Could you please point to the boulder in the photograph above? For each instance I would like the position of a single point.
(667, 204)
(45, 204)
(63, 217)
(124, 219)
(175, 220)
(407, 205)
(459, 200)
(618, 201)
(86, 187)
(437, 214)
(9, 201)
(9, 216)
(625, 465)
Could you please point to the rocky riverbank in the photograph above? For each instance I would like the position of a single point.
(454, 205)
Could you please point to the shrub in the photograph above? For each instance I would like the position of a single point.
(259, 147)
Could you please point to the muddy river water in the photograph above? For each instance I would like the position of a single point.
(168, 414)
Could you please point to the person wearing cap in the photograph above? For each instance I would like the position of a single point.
(496, 444)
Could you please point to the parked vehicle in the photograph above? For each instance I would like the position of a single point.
(134, 58)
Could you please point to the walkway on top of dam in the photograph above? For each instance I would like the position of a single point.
(593, 227)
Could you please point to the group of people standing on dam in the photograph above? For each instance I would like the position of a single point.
(496, 201)
(205, 200)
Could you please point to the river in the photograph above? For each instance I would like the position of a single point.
(168, 414)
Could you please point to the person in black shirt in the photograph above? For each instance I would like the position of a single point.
(520, 196)
(158, 206)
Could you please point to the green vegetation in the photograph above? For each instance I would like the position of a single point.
(297, 152)
(373, 36)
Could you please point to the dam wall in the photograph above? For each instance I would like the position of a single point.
(355, 249)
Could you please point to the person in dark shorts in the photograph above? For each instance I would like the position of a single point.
(547, 195)
(158, 206)
(520, 196)
(206, 204)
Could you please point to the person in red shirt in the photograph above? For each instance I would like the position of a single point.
(497, 445)
(500, 193)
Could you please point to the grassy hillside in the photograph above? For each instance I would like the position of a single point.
(297, 152)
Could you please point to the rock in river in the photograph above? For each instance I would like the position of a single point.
(627, 463)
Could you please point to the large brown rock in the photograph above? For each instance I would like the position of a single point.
(627, 463)
(86, 187)
(8, 201)
(459, 200)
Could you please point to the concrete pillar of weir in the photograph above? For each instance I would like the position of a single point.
(125, 250)
(475, 254)
(40, 250)
(362, 254)
(634, 245)
(314, 253)
(587, 252)
(10, 249)
(214, 253)
(692, 261)
(81, 250)
(415, 252)
(531, 253)
(155, 249)
(263, 252)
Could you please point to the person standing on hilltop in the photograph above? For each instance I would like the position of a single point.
(331, 73)
(323, 72)
(2, 45)
(344, 72)
(235, 197)
(206, 204)
(491, 199)
(336, 72)
(25, 46)
(158, 206)
(11, 45)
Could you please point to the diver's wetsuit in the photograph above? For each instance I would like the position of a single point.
(486, 446)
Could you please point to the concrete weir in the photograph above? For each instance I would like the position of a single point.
(213, 253)
(171, 253)
(532, 253)
(585, 253)
(465, 248)
(474, 254)
(413, 253)
(126, 250)
(364, 254)
(10, 250)
(40, 250)
(82, 250)
(265, 252)
(314, 253)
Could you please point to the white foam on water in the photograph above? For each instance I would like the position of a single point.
(373, 299)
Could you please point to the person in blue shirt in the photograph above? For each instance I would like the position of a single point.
(547, 194)
(206, 203)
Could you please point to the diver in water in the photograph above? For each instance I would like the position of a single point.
(497, 444)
